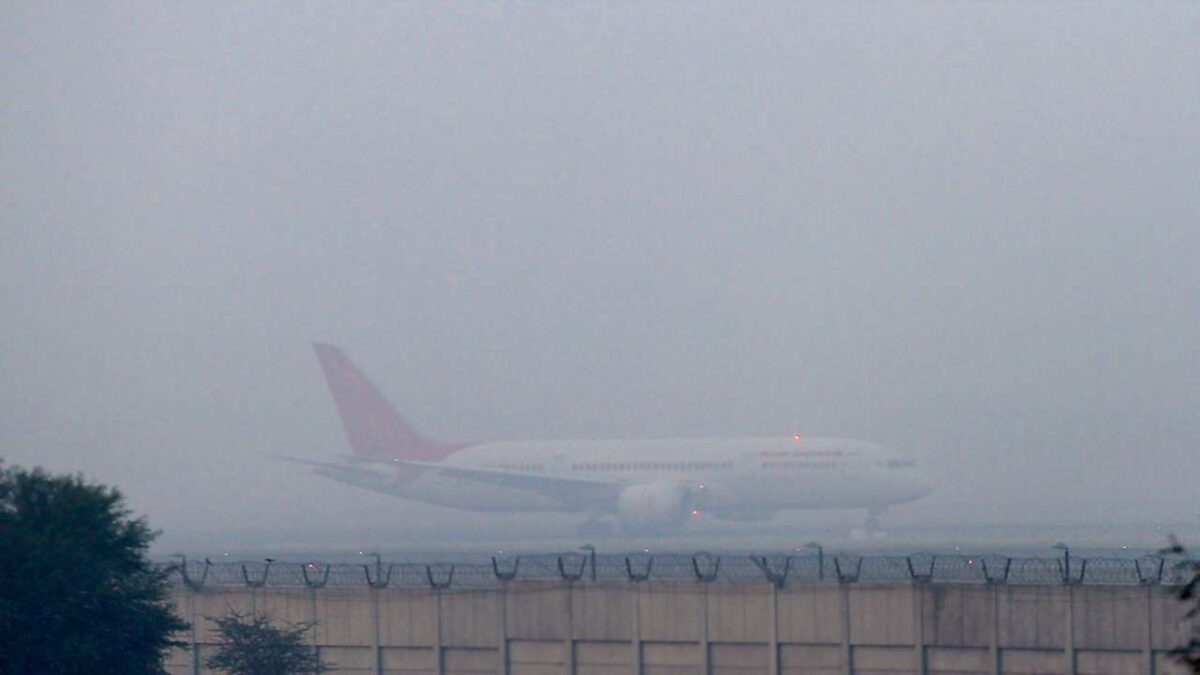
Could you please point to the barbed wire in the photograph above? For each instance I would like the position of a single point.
(779, 569)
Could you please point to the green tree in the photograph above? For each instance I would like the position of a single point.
(252, 646)
(77, 593)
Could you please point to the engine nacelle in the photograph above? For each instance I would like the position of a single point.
(654, 505)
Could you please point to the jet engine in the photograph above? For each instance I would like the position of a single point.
(653, 506)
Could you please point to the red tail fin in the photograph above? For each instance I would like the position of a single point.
(372, 425)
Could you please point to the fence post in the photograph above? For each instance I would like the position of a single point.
(310, 581)
(434, 583)
(847, 649)
(994, 637)
(506, 576)
(261, 581)
(635, 629)
(376, 647)
(380, 580)
(918, 607)
(438, 668)
(638, 576)
(710, 575)
(312, 615)
(1070, 647)
(776, 578)
(190, 593)
(575, 575)
(774, 662)
(569, 638)
(503, 622)
(706, 651)
(1148, 635)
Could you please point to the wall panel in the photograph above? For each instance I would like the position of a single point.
(957, 660)
(351, 660)
(883, 660)
(672, 658)
(739, 659)
(407, 660)
(470, 660)
(1033, 662)
(810, 659)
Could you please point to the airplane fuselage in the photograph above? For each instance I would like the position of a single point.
(724, 476)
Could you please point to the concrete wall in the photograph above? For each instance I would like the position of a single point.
(719, 628)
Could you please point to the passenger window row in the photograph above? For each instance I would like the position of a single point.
(650, 466)
(800, 464)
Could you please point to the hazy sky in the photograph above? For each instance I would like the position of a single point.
(968, 230)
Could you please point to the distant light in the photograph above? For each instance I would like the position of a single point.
(695, 512)
(797, 437)
(970, 562)
(312, 566)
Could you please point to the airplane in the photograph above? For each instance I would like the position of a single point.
(650, 486)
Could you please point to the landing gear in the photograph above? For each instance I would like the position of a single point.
(872, 523)
(870, 528)
(595, 528)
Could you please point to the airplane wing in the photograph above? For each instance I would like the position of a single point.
(570, 489)
(309, 462)
(347, 474)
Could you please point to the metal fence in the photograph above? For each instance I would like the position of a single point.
(779, 569)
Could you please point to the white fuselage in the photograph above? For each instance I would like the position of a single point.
(727, 477)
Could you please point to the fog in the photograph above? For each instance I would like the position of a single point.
(967, 230)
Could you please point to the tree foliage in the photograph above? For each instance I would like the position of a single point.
(253, 646)
(77, 592)
(1189, 592)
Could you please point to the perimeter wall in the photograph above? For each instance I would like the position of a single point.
(655, 627)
